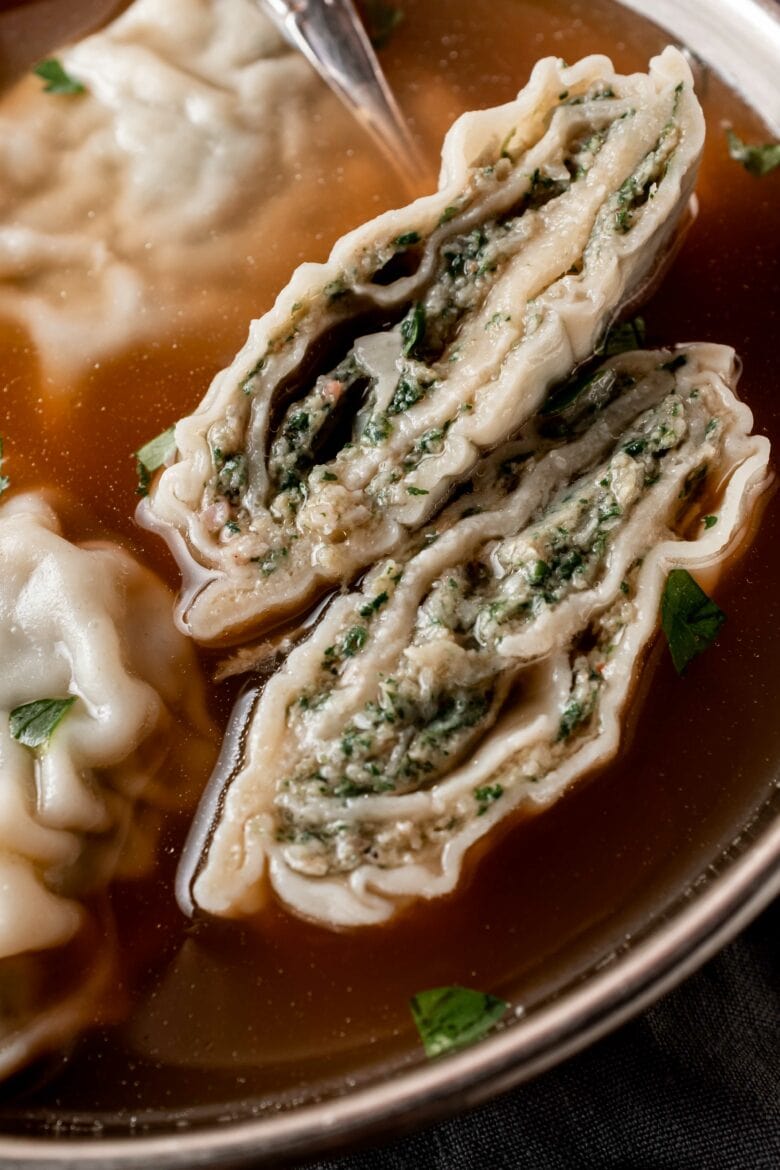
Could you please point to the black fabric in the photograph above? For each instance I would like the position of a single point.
(693, 1083)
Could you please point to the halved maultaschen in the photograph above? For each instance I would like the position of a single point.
(489, 668)
(430, 335)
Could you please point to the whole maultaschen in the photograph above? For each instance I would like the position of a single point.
(414, 422)
(102, 728)
(431, 334)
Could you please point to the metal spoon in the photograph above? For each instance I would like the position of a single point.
(331, 36)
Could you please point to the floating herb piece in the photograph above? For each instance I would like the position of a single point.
(407, 392)
(407, 239)
(152, 456)
(691, 620)
(55, 77)
(416, 491)
(4, 480)
(710, 521)
(33, 724)
(759, 160)
(448, 1018)
(413, 329)
(371, 607)
(382, 19)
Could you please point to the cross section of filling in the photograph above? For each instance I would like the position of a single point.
(490, 663)
(380, 378)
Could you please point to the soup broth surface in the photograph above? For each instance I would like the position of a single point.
(276, 1010)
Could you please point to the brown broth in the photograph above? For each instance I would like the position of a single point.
(280, 1009)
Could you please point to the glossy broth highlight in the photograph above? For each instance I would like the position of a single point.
(279, 1009)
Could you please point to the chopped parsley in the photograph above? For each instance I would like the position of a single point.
(710, 521)
(691, 620)
(572, 715)
(33, 724)
(152, 456)
(371, 607)
(416, 491)
(376, 430)
(448, 1018)
(351, 644)
(407, 392)
(270, 562)
(758, 160)
(381, 19)
(413, 329)
(407, 239)
(486, 795)
(56, 79)
(448, 213)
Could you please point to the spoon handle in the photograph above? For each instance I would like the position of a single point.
(331, 36)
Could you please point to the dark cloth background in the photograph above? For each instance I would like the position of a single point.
(695, 1082)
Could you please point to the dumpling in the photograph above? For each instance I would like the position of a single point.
(430, 335)
(102, 726)
(490, 669)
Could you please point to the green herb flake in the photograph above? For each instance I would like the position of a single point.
(448, 213)
(270, 562)
(152, 456)
(381, 19)
(354, 640)
(376, 430)
(504, 152)
(4, 480)
(371, 607)
(57, 80)
(448, 1018)
(407, 239)
(407, 392)
(691, 621)
(413, 329)
(486, 795)
(710, 521)
(33, 724)
(758, 160)
(415, 491)
(571, 717)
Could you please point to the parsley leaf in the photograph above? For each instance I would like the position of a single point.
(33, 724)
(152, 456)
(690, 620)
(4, 480)
(381, 19)
(448, 1018)
(413, 329)
(759, 160)
(57, 80)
